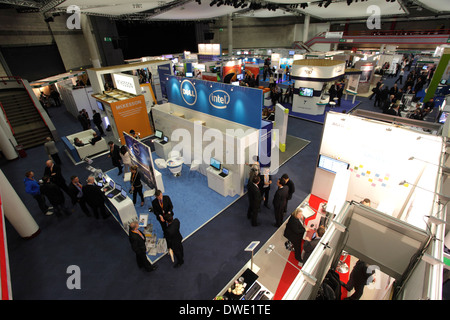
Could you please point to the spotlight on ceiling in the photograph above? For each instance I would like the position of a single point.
(321, 4)
(349, 2)
(304, 5)
(213, 2)
(327, 3)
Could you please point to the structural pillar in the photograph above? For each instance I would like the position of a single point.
(90, 40)
(230, 35)
(306, 28)
(15, 211)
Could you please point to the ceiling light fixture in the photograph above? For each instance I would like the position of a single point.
(327, 3)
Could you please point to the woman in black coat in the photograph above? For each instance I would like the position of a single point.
(136, 184)
(294, 232)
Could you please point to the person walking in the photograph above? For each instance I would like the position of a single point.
(137, 241)
(52, 150)
(174, 239)
(33, 188)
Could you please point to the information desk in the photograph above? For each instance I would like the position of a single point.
(123, 211)
(221, 185)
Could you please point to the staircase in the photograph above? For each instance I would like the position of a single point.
(27, 125)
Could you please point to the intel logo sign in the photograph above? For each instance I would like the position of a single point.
(188, 92)
(219, 99)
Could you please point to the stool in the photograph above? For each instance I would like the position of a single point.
(332, 104)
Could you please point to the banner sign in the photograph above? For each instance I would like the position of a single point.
(163, 71)
(141, 155)
(127, 83)
(234, 103)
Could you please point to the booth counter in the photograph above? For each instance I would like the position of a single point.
(78, 153)
(200, 136)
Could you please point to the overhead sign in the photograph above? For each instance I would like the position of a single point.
(127, 83)
(234, 103)
(335, 34)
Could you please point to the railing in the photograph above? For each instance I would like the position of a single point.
(6, 117)
(10, 78)
(377, 32)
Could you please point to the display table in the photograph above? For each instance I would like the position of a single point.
(124, 212)
(219, 184)
(162, 150)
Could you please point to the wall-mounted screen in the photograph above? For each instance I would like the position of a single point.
(215, 164)
(100, 106)
(306, 92)
(332, 165)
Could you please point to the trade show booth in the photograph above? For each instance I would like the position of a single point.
(398, 233)
(311, 78)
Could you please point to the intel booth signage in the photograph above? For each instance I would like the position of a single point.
(234, 103)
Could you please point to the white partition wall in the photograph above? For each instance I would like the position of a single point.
(380, 157)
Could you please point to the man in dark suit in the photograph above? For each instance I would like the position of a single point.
(310, 243)
(294, 232)
(54, 195)
(358, 280)
(279, 202)
(339, 93)
(288, 182)
(114, 154)
(162, 205)
(76, 194)
(254, 199)
(95, 198)
(53, 171)
(174, 239)
(137, 241)
(97, 119)
(264, 185)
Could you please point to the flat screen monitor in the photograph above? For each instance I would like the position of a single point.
(332, 165)
(100, 184)
(118, 187)
(100, 106)
(443, 117)
(189, 74)
(443, 81)
(215, 164)
(306, 92)
(166, 138)
(225, 171)
(123, 193)
(240, 76)
(104, 180)
(291, 53)
(158, 134)
(111, 183)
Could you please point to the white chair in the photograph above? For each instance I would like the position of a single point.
(195, 166)
(160, 163)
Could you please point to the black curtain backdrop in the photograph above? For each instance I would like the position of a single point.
(139, 39)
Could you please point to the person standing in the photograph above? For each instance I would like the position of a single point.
(114, 154)
(52, 150)
(358, 280)
(97, 119)
(288, 182)
(264, 185)
(54, 195)
(400, 77)
(136, 185)
(53, 171)
(162, 206)
(95, 198)
(279, 202)
(339, 93)
(84, 122)
(254, 199)
(33, 188)
(125, 157)
(174, 239)
(294, 232)
(137, 241)
(76, 194)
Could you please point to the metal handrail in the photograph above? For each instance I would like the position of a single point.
(6, 117)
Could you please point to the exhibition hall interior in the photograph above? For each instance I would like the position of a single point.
(224, 150)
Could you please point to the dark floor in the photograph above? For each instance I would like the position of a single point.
(100, 248)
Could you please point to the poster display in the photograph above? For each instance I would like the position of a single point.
(366, 73)
(141, 155)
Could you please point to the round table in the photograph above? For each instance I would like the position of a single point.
(175, 165)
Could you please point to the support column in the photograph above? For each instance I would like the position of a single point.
(306, 28)
(230, 35)
(86, 27)
(16, 212)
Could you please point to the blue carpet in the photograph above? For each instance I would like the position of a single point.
(188, 192)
